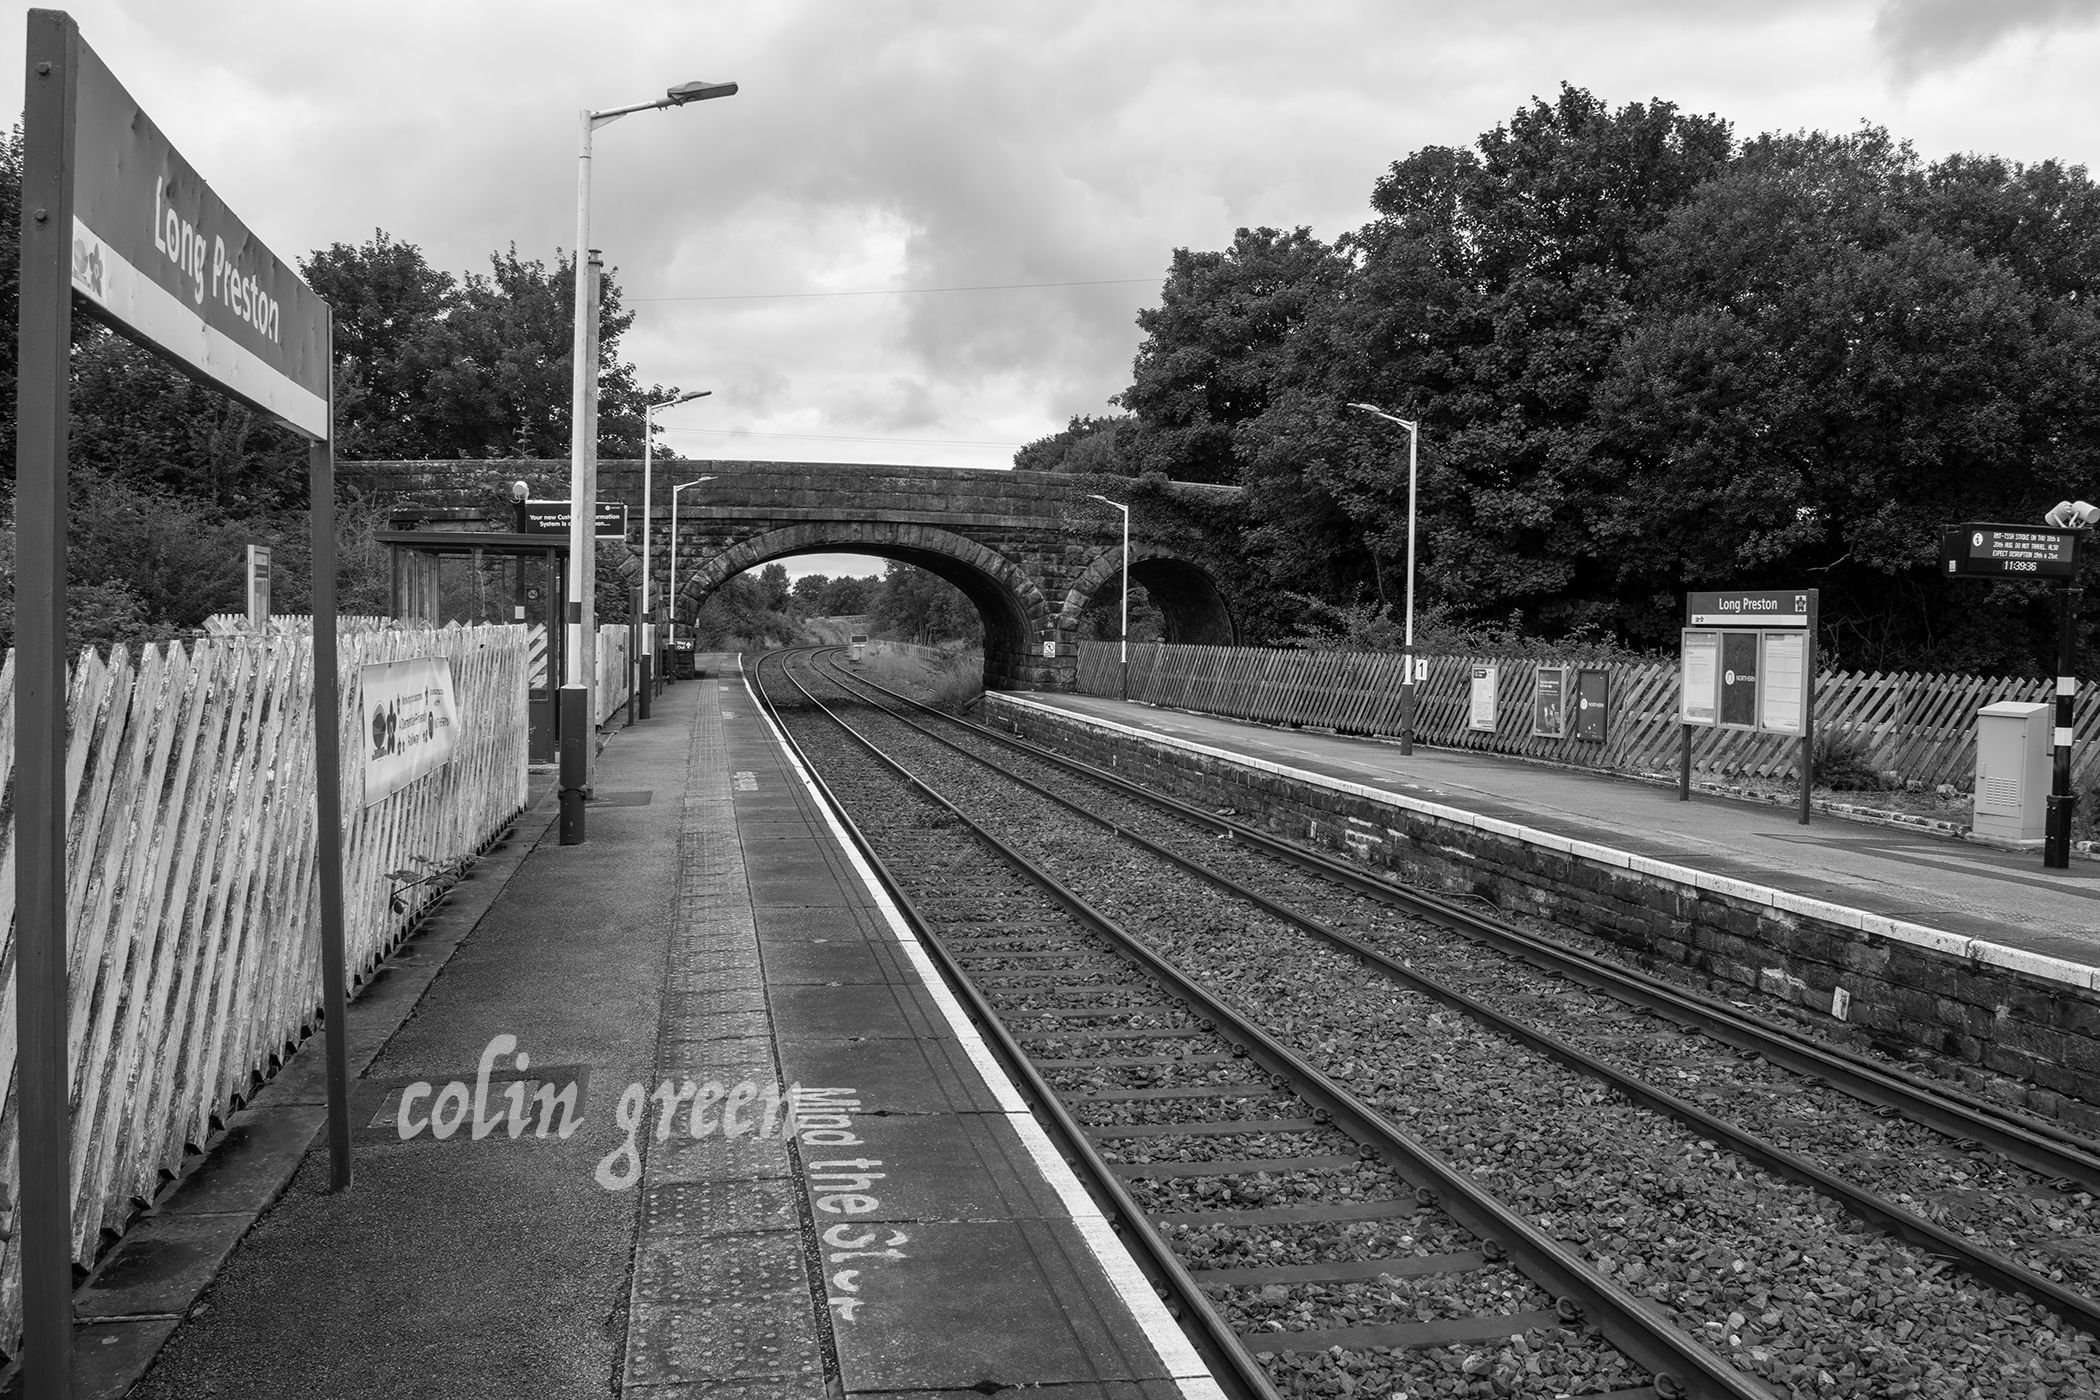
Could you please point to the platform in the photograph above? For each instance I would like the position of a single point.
(898, 1226)
(1967, 891)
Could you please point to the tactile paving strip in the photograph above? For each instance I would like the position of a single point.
(721, 1304)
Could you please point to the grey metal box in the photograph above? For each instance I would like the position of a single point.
(2012, 770)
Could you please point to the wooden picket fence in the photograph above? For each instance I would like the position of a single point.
(1922, 726)
(614, 682)
(192, 881)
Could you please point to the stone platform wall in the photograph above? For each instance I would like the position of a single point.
(2015, 1026)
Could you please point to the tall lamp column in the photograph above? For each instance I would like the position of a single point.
(580, 623)
(1407, 636)
(674, 550)
(1124, 628)
(649, 676)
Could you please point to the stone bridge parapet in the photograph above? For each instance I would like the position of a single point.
(1029, 549)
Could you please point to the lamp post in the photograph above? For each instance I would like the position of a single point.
(674, 548)
(583, 457)
(649, 560)
(1407, 636)
(1124, 629)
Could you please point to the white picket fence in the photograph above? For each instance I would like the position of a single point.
(192, 880)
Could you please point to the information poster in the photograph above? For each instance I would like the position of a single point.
(1783, 707)
(1549, 703)
(1699, 688)
(411, 723)
(1486, 684)
(1739, 680)
(1592, 703)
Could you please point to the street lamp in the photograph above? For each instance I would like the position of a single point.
(1125, 628)
(674, 548)
(649, 560)
(1407, 638)
(583, 455)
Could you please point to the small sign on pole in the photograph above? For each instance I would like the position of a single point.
(259, 586)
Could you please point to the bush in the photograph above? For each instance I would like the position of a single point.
(1844, 763)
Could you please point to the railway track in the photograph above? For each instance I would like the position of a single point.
(1629, 1199)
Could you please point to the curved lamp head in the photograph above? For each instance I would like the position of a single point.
(698, 92)
(2074, 515)
(518, 490)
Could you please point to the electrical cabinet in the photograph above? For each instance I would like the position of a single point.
(2012, 770)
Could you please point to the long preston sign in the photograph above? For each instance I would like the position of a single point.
(165, 260)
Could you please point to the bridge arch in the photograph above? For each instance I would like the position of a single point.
(1014, 610)
(1194, 610)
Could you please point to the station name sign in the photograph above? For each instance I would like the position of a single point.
(166, 262)
(1771, 608)
(2008, 551)
(552, 518)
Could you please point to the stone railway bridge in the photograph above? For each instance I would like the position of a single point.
(1029, 549)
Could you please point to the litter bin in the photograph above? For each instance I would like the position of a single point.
(2012, 771)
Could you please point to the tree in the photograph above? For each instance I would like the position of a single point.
(1102, 446)
(1213, 344)
(917, 606)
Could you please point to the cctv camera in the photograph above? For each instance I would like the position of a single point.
(2074, 515)
(517, 490)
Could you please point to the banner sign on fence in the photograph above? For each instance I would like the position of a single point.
(1549, 703)
(1790, 607)
(411, 723)
(1592, 703)
(1486, 683)
(169, 264)
(1699, 678)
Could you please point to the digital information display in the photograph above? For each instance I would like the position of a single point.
(2008, 551)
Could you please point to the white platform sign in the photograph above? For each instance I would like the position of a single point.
(411, 723)
(1783, 701)
(1700, 684)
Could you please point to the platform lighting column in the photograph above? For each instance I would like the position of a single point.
(583, 427)
(649, 678)
(674, 548)
(1125, 627)
(1407, 636)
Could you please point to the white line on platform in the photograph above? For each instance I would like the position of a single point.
(1919, 935)
(1173, 1348)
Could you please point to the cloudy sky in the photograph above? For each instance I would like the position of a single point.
(796, 248)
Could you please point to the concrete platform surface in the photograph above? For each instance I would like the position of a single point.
(1972, 891)
(716, 1130)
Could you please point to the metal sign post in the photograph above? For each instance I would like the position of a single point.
(1989, 550)
(112, 212)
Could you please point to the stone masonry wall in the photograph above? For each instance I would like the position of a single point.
(2012, 1035)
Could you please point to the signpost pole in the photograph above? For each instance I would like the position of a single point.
(1808, 705)
(328, 797)
(2056, 847)
(1684, 764)
(42, 391)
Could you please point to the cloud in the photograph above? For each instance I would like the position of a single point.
(945, 143)
(1918, 36)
